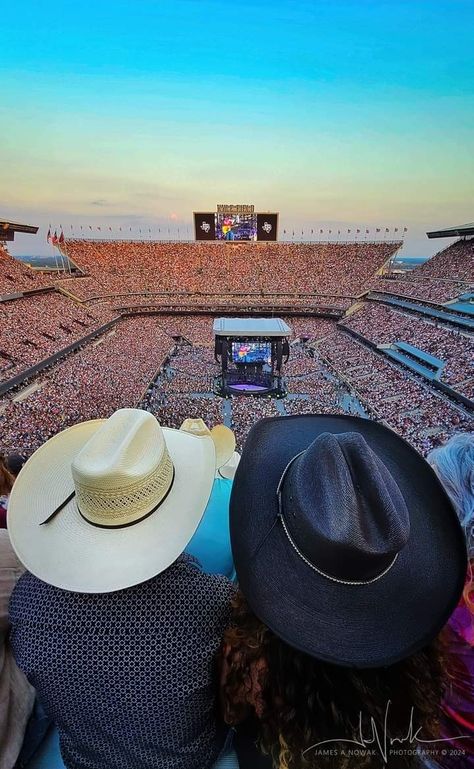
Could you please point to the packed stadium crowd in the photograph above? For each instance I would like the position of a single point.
(106, 374)
(456, 262)
(385, 325)
(97, 378)
(16, 276)
(426, 289)
(33, 328)
(123, 267)
(425, 419)
(444, 277)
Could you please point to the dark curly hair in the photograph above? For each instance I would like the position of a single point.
(6, 478)
(303, 701)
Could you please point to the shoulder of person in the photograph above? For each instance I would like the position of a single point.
(8, 558)
(218, 587)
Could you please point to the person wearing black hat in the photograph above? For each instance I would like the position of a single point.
(350, 560)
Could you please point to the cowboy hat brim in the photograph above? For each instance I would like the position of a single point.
(350, 625)
(230, 468)
(75, 555)
(224, 443)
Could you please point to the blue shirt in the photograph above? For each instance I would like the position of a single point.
(211, 541)
(128, 677)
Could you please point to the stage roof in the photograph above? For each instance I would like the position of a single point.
(251, 327)
(453, 232)
(16, 227)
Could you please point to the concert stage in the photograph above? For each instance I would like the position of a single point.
(251, 352)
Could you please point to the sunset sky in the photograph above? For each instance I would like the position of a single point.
(353, 113)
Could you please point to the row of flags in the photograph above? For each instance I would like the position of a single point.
(55, 239)
(349, 231)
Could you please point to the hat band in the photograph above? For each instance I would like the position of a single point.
(159, 485)
(116, 506)
(328, 576)
(130, 523)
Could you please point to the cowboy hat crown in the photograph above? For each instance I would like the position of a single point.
(351, 520)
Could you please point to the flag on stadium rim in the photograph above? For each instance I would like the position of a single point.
(61, 237)
(358, 231)
(54, 239)
(377, 229)
(386, 229)
(48, 236)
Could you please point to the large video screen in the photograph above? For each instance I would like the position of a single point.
(251, 352)
(236, 227)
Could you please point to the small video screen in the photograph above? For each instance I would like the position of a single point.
(251, 352)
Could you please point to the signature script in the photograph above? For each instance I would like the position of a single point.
(380, 740)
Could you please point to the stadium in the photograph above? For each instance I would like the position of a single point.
(227, 329)
(130, 323)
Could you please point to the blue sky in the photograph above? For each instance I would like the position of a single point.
(336, 114)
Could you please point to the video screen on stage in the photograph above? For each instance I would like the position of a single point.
(251, 352)
(236, 227)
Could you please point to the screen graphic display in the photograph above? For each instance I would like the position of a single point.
(205, 226)
(251, 352)
(267, 227)
(236, 227)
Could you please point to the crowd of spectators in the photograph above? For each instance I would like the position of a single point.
(128, 267)
(247, 410)
(384, 325)
(116, 368)
(456, 262)
(422, 417)
(447, 275)
(34, 327)
(106, 374)
(424, 289)
(16, 276)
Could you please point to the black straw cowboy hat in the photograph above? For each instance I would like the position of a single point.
(345, 544)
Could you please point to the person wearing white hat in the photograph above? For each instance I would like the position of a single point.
(112, 624)
(210, 543)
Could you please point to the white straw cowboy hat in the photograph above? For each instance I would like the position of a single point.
(110, 503)
(222, 437)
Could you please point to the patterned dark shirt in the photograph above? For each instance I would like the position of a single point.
(128, 677)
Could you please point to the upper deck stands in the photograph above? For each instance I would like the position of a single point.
(328, 270)
(16, 277)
